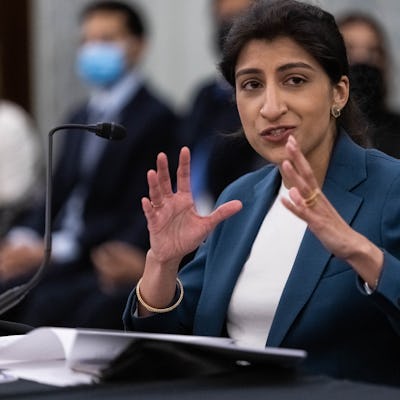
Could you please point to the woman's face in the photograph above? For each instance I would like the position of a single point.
(281, 90)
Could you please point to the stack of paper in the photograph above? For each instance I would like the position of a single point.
(64, 356)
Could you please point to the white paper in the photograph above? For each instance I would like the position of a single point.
(39, 344)
(51, 355)
(103, 345)
(55, 373)
(40, 356)
(45, 354)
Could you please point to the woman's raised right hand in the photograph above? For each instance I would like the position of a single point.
(175, 227)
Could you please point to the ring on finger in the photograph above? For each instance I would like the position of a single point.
(156, 205)
(312, 199)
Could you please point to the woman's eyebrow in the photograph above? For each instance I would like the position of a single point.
(293, 65)
(282, 68)
(246, 71)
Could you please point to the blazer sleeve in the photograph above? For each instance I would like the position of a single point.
(180, 320)
(387, 293)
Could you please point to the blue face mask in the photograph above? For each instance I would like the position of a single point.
(100, 64)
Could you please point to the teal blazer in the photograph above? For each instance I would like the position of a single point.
(323, 308)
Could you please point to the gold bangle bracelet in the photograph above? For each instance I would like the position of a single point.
(159, 310)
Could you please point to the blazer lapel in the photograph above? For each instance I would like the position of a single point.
(224, 267)
(347, 169)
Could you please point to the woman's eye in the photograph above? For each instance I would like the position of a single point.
(251, 85)
(295, 80)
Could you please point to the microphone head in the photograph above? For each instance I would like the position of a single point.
(110, 130)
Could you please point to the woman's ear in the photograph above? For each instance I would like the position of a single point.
(341, 92)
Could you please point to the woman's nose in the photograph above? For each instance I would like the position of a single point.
(273, 106)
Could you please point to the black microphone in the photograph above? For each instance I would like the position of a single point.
(106, 130)
(14, 295)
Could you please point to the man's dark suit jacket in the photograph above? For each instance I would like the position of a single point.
(112, 210)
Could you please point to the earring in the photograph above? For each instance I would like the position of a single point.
(335, 111)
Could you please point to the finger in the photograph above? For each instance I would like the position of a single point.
(302, 171)
(104, 256)
(97, 259)
(290, 175)
(164, 179)
(224, 211)
(108, 250)
(149, 212)
(291, 207)
(298, 159)
(183, 173)
(295, 202)
(155, 194)
(305, 211)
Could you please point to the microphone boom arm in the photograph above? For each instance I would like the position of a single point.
(11, 297)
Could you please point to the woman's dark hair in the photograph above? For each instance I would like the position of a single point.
(314, 29)
(134, 21)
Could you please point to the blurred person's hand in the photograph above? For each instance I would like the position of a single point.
(19, 259)
(117, 264)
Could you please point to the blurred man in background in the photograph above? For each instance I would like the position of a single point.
(98, 184)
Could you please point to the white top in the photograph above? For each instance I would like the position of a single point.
(259, 287)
